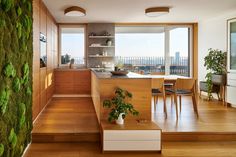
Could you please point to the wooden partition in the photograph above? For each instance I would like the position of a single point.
(43, 79)
(72, 81)
(139, 87)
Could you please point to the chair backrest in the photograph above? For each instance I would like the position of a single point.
(157, 83)
(158, 73)
(186, 84)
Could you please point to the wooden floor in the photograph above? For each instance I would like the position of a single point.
(71, 117)
(169, 149)
(213, 117)
(74, 120)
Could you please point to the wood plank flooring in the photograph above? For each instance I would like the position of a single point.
(67, 119)
(74, 120)
(213, 117)
(169, 149)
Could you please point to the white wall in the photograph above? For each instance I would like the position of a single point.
(212, 34)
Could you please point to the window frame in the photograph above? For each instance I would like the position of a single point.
(60, 44)
(167, 44)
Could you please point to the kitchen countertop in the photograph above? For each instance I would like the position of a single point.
(108, 75)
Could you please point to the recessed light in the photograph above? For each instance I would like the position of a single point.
(75, 11)
(156, 11)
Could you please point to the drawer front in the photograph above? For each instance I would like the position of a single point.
(131, 135)
(132, 146)
(231, 95)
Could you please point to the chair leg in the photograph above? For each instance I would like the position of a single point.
(154, 103)
(180, 103)
(176, 106)
(194, 104)
(165, 109)
(171, 99)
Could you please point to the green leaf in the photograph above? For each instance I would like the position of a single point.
(1, 149)
(119, 104)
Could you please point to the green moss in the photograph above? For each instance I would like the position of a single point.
(12, 138)
(9, 70)
(7, 4)
(1, 149)
(16, 84)
(4, 98)
(16, 52)
(25, 70)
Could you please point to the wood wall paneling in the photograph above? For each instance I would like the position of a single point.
(43, 79)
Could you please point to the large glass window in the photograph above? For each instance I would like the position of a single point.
(154, 49)
(179, 51)
(72, 41)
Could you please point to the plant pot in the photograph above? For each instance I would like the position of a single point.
(219, 79)
(203, 87)
(120, 119)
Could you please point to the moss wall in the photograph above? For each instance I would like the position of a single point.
(15, 76)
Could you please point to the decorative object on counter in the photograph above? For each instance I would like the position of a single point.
(92, 34)
(120, 106)
(104, 53)
(119, 66)
(120, 72)
(109, 42)
(215, 63)
(72, 63)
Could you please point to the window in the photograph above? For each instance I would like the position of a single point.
(154, 49)
(72, 41)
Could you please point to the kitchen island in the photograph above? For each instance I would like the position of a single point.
(103, 85)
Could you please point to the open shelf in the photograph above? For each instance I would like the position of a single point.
(101, 46)
(94, 37)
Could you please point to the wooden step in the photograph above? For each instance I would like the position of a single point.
(198, 136)
(65, 137)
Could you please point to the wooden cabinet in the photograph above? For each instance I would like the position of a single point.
(72, 81)
(131, 136)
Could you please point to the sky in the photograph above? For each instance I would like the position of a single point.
(135, 44)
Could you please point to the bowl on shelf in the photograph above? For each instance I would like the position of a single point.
(120, 72)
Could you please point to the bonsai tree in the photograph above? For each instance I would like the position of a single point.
(215, 63)
(120, 105)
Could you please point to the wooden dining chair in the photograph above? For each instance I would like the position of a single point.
(167, 85)
(158, 89)
(184, 87)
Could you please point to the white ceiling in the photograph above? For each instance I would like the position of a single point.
(120, 11)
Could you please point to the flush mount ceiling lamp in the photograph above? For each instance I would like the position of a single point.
(75, 11)
(157, 11)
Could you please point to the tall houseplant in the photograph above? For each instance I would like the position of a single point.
(120, 106)
(215, 63)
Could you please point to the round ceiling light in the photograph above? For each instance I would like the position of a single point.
(156, 11)
(75, 11)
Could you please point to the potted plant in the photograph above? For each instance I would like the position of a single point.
(215, 63)
(120, 106)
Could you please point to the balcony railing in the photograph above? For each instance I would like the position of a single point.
(178, 66)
